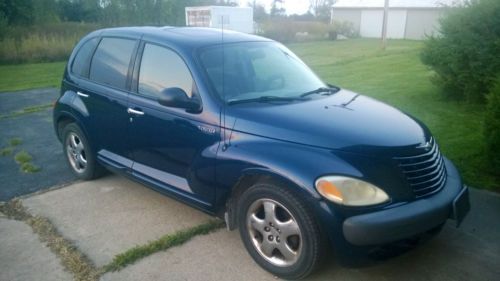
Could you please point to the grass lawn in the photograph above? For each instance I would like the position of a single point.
(397, 77)
(29, 76)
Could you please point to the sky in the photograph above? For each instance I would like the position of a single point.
(291, 6)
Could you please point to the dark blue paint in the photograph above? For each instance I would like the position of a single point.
(199, 157)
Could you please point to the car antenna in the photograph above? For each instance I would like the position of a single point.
(225, 146)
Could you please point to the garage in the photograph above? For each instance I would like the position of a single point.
(407, 19)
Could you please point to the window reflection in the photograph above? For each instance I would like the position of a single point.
(82, 60)
(254, 69)
(162, 68)
(111, 61)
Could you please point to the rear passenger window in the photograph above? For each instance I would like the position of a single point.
(162, 68)
(81, 62)
(111, 61)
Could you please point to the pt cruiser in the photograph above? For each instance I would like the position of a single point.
(239, 127)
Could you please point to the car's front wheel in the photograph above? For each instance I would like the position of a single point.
(279, 231)
(79, 155)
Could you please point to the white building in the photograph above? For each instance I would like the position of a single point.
(408, 19)
(235, 18)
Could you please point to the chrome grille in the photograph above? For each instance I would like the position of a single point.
(424, 172)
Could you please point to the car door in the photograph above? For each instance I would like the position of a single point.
(172, 149)
(106, 92)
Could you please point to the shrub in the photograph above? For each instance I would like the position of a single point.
(286, 30)
(492, 126)
(465, 55)
(345, 28)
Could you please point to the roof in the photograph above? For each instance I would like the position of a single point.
(395, 3)
(216, 7)
(182, 37)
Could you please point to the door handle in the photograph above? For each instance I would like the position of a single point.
(133, 111)
(82, 94)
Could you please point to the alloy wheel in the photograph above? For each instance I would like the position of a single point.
(274, 232)
(75, 151)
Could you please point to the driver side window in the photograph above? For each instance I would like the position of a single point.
(162, 68)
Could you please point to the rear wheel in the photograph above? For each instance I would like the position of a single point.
(279, 232)
(79, 154)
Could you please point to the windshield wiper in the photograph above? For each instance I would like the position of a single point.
(265, 99)
(325, 90)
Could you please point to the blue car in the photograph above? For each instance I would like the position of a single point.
(239, 127)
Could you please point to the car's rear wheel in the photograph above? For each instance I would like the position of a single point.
(79, 154)
(279, 231)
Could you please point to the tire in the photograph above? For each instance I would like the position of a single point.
(299, 237)
(79, 154)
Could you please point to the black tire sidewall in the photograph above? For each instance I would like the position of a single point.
(90, 170)
(311, 236)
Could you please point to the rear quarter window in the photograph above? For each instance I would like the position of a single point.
(81, 63)
(111, 61)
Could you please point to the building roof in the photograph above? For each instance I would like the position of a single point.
(191, 8)
(395, 3)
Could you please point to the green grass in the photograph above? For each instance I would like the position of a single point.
(397, 77)
(5, 151)
(29, 168)
(23, 157)
(15, 141)
(74, 261)
(165, 242)
(29, 76)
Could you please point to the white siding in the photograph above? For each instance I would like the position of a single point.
(423, 22)
(396, 24)
(371, 23)
(235, 18)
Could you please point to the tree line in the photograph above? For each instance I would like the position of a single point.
(133, 12)
(105, 12)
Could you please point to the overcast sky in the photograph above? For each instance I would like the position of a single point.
(291, 6)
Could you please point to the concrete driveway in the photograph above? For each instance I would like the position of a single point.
(111, 215)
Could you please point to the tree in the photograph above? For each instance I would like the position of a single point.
(277, 8)
(465, 54)
(321, 8)
(492, 125)
(45, 11)
(259, 12)
(17, 12)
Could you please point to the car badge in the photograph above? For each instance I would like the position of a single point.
(425, 146)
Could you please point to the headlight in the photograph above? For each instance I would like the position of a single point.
(350, 191)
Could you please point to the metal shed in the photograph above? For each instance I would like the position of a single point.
(408, 19)
(233, 18)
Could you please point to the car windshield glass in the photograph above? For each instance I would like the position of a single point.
(250, 70)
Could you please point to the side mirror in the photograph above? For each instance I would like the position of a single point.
(177, 97)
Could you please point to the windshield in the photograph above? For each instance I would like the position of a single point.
(257, 69)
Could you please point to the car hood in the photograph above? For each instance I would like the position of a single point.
(344, 121)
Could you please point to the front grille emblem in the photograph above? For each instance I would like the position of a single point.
(426, 146)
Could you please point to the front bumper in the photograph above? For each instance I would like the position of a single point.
(411, 219)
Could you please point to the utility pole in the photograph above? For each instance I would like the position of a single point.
(384, 24)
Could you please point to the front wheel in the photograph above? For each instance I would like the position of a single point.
(79, 155)
(279, 232)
